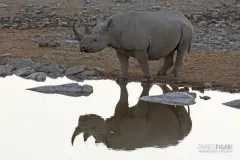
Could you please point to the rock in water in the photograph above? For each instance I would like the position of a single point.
(205, 97)
(74, 70)
(234, 104)
(87, 88)
(171, 98)
(70, 89)
(39, 76)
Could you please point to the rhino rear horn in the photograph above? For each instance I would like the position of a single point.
(86, 135)
(77, 131)
(79, 36)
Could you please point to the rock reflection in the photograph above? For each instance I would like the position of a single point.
(144, 125)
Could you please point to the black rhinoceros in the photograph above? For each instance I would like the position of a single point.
(144, 125)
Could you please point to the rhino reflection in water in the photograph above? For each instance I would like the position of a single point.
(144, 125)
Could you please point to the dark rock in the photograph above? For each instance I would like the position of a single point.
(159, 8)
(205, 97)
(207, 85)
(87, 73)
(49, 67)
(74, 70)
(23, 62)
(43, 44)
(3, 6)
(39, 76)
(87, 1)
(171, 98)
(63, 24)
(25, 71)
(87, 88)
(6, 70)
(202, 23)
(75, 78)
(70, 89)
(234, 104)
(99, 70)
(48, 44)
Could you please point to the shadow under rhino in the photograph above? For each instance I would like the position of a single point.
(146, 124)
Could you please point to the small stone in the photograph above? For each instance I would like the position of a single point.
(87, 1)
(207, 85)
(205, 97)
(202, 23)
(63, 24)
(87, 88)
(197, 17)
(54, 44)
(39, 76)
(85, 11)
(43, 44)
(26, 71)
(74, 70)
(39, 12)
(87, 73)
(157, 7)
(48, 44)
(3, 6)
(99, 70)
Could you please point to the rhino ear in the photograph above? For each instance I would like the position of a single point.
(109, 25)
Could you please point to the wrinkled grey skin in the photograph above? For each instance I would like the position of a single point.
(143, 125)
(144, 36)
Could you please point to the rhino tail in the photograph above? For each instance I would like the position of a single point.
(189, 48)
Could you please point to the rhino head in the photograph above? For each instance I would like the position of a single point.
(90, 125)
(96, 40)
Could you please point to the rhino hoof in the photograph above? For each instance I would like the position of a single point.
(147, 84)
(147, 79)
(159, 73)
(174, 73)
(121, 80)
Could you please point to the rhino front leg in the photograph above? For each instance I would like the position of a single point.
(124, 67)
(142, 58)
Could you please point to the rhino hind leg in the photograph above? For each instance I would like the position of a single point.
(183, 47)
(179, 60)
(168, 63)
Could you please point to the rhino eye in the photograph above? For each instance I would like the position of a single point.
(95, 40)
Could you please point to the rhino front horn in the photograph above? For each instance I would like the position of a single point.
(79, 36)
(77, 131)
(87, 29)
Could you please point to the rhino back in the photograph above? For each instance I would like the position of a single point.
(158, 126)
(157, 32)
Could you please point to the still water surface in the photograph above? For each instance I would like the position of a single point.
(36, 126)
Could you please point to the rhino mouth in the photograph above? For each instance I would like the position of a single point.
(83, 49)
